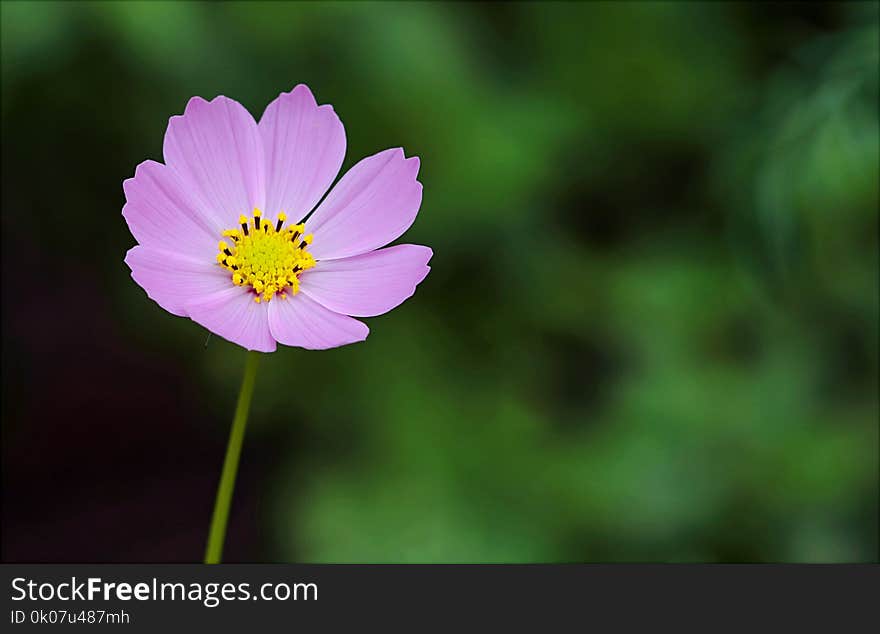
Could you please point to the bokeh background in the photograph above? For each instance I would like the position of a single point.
(650, 332)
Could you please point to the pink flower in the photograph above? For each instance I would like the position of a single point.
(220, 233)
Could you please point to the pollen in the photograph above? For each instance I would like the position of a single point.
(264, 256)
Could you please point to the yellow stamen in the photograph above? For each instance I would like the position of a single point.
(267, 259)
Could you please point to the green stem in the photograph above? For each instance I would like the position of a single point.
(217, 535)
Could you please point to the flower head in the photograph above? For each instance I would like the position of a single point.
(225, 234)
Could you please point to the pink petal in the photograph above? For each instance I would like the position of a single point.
(159, 213)
(233, 314)
(304, 145)
(374, 203)
(173, 279)
(216, 150)
(300, 321)
(369, 284)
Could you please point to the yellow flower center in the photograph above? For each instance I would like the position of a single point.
(266, 257)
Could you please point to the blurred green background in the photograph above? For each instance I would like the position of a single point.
(650, 332)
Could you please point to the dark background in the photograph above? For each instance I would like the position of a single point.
(649, 334)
